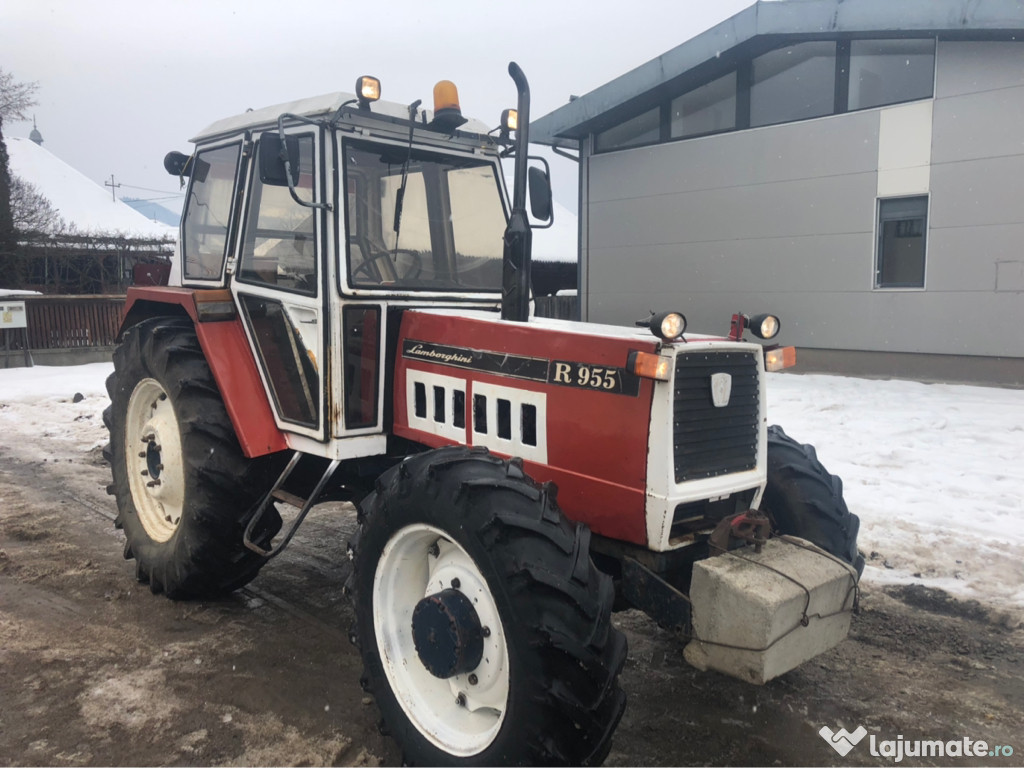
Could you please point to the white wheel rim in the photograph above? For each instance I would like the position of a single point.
(152, 448)
(456, 716)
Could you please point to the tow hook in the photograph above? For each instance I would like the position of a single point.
(752, 526)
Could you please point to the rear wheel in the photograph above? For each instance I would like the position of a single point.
(184, 489)
(485, 628)
(803, 499)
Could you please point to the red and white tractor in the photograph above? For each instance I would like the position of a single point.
(336, 334)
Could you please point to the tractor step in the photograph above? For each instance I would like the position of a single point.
(289, 498)
(278, 494)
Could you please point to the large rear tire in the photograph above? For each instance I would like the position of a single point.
(184, 488)
(484, 626)
(803, 499)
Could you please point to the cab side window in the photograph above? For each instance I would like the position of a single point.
(279, 246)
(208, 212)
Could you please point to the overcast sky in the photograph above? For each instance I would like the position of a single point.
(122, 82)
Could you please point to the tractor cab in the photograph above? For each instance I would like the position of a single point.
(322, 215)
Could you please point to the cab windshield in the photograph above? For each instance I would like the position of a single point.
(421, 220)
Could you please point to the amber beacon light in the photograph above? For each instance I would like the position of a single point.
(447, 111)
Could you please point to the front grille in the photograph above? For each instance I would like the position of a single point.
(710, 441)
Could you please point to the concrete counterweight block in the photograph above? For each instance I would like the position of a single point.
(747, 618)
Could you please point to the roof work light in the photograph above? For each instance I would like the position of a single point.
(509, 121)
(367, 90)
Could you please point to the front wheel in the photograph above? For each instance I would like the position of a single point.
(803, 499)
(484, 626)
(184, 489)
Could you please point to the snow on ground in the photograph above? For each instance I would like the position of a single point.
(36, 407)
(935, 471)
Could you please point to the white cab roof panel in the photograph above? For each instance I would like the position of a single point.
(317, 106)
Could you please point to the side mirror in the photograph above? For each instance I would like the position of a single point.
(271, 159)
(540, 194)
(177, 164)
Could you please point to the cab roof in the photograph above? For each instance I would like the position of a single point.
(319, 106)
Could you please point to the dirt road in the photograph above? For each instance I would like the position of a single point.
(94, 670)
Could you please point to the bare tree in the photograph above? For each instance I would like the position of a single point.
(15, 98)
(31, 211)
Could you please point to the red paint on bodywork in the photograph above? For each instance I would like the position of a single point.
(230, 359)
(596, 441)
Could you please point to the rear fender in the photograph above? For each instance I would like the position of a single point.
(227, 352)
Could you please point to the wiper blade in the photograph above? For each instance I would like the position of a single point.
(400, 196)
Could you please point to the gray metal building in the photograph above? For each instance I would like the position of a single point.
(855, 166)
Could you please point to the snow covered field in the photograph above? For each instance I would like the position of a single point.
(935, 471)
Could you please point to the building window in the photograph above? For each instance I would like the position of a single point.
(793, 83)
(642, 129)
(902, 231)
(707, 109)
(890, 71)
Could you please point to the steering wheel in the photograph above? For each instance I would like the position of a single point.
(413, 270)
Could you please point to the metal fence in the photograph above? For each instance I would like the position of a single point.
(69, 322)
(74, 322)
(559, 307)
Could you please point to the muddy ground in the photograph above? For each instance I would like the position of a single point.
(95, 670)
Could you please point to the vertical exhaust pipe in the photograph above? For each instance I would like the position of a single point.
(515, 283)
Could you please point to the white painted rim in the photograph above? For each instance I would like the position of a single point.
(406, 573)
(152, 448)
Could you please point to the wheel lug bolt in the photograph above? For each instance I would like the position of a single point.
(159, 467)
(485, 631)
(456, 583)
(163, 396)
(152, 483)
(461, 699)
(167, 518)
(142, 454)
(473, 679)
(145, 472)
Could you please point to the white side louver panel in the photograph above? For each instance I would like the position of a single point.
(436, 404)
(510, 421)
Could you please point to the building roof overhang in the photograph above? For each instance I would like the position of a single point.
(765, 25)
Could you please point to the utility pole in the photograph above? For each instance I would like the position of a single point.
(112, 186)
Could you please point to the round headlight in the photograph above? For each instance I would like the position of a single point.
(764, 326)
(668, 325)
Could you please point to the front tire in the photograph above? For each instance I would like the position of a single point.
(184, 489)
(803, 499)
(484, 626)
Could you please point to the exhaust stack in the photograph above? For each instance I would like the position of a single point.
(515, 283)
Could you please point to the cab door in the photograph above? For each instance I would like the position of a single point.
(279, 285)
